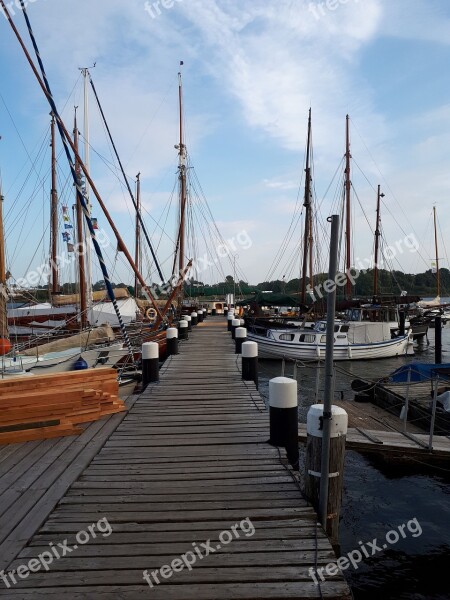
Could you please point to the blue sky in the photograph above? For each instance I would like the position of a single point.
(252, 69)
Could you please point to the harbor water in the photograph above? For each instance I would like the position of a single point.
(379, 498)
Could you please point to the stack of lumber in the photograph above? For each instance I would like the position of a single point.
(48, 406)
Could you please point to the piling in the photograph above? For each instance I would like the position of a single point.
(183, 330)
(313, 463)
(283, 407)
(402, 319)
(230, 317)
(213, 312)
(150, 363)
(188, 318)
(240, 336)
(438, 340)
(235, 323)
(200, 316)
(194, 319)
(172, 341)
(250, 362)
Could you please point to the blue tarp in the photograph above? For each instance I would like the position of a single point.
(420, 372)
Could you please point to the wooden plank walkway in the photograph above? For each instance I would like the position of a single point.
(188, 462)
(34, 476)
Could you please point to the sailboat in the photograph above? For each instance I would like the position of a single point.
(434, 308)
(353, 340)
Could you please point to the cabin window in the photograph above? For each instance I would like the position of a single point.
(323, 339)
(340, 337)
(344, 328)
(336, 328)
(287, 337)
(308, 338)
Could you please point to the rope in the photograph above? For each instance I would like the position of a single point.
(76, 179)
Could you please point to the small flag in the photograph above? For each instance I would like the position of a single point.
(66, 236)
(66, 219)
(433, 267)
(70, 248)
(65, 210)
(67, 226)
(94, 223)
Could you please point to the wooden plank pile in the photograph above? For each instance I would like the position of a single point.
(49, 406)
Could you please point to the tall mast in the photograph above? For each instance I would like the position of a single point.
(137, 258)
(377, 243)
(54, 213)
(3, 292)
(438, 277)
(87, 237)
(347, 207)
(307, 250)
(182, 178)
(80, 237)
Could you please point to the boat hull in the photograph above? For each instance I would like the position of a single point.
(268, 348)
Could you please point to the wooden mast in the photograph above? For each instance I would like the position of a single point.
(3, 291)
(347, 208)
(307, 248)
(54, 213)
(80, 237)
(182, 178)
(438, 277)
(137, 258)
(377, 243)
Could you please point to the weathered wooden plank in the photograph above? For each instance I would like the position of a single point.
(332, 590)
(189, 461)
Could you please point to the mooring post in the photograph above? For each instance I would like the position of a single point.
(313, 464)
(329, 371)
(188, 318)
(433, 413)
(230, 317)
(283, 407)
(200, 316)
(183, 330)
(235, 323)
(205, 313)
(225, 311)
(405, 408)
(213, 312)
(150, 363)
(240, 336)
(250, 362)
(172, 341)
(438, 340)
(402, 320)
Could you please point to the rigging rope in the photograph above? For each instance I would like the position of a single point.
(77, 181)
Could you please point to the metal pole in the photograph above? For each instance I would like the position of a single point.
(405, 417)
(433, 414)
(328, 392)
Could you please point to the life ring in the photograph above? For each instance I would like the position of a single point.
(150, 313)
(251, 311)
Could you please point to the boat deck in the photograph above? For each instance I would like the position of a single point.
(188, 464)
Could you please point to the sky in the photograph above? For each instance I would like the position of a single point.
(252, 69)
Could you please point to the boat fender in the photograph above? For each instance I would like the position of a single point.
(80, 365)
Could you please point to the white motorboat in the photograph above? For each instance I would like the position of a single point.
(352, 341)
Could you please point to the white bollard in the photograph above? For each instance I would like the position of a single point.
(150, 363)
(283, 403)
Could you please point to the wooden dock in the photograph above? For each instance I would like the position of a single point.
(188, 462)
(373, 429)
